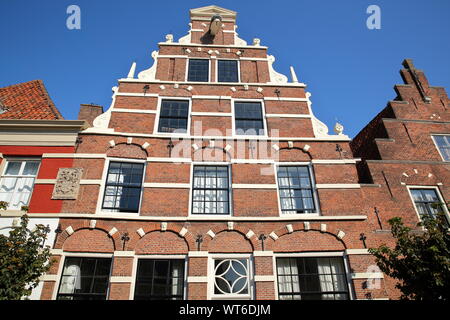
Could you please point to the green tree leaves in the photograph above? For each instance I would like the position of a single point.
(420, 259)
(23, 260)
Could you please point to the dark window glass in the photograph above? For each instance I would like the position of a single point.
(123, 187)
(84, 279)
(443, 143)
(427, 202)
(227, 71)
(248, 118)
(210, 192)
(296, 190)
(198, 70)
(159, 280)
(312, 279)
(173, 116)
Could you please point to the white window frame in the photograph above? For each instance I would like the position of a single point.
(159, 257)
(4, 165)
(233, 124)
(191, 191)
(187, 69)
(99, 210)
(80, 255)
(158, 114)
(319, 254)
(238, 71)
(211, 277)
(437, 146)
(314, 189)
(438, 192)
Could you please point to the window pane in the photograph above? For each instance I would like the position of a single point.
(84, 279)
(443, 143)
(13, 168)
(227, 71)
(123, 186)
(159, 279)
(248, 118)
(311, 278)
(295, 189)
(198, 70)
(173, 116)
(210, 190)
(31, 168)
(231, 276)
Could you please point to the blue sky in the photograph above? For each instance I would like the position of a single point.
(349, 69)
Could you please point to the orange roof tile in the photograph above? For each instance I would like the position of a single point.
(28, 100)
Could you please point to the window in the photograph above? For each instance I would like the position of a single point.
(443, 144)
(232, 277)
(427, 202)
(84, 279)
(123, 187)
(295, 188)
(312, 279)
(227, 71)
(248, 118)
(173, 116)
(198, 70)
(159, 280)
(17, 182)
(210, 194)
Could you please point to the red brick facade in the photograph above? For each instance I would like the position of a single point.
(349, 178)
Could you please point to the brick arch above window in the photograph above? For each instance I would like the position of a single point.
(89, 240)
(306, 240)
(124, 150)
(161, 242)
(229, 241)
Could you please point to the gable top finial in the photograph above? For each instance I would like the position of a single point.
(207, 12)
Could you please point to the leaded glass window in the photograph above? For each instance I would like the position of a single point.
(198, 70)
(227, 71)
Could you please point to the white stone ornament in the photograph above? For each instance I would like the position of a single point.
(338, 128)
(256, 42)
(150, 73)
(169, 38)
(275, 77)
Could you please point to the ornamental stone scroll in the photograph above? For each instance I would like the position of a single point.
(67, 184)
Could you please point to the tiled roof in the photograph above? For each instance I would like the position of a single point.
(28, 100)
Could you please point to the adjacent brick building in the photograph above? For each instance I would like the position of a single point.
(209, 177)
(32, 132)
